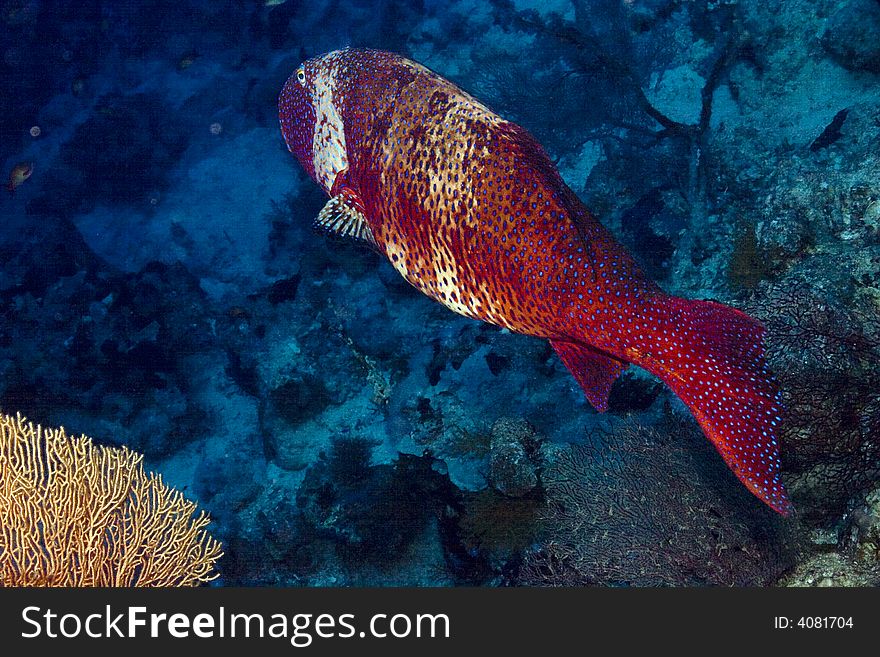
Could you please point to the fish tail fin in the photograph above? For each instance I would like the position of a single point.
(712, 357)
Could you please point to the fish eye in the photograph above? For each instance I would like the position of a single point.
(301, 76)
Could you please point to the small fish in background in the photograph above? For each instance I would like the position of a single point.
(274, 3)
(78, 86)
(469, 209)
(187, 60)
(20, 172)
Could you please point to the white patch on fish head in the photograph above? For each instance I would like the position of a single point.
(328, 142)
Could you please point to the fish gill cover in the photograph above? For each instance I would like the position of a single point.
(162, 286)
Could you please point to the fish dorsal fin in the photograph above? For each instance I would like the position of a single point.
(343, 215)
(594, 371)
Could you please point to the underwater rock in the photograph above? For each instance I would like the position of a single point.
(300, 398)
(576, 169)
(373, 514)
(349, 460)
(850, 35)
(826, 353)
(293, 431)
(866, 530)
(42, 253)
(748, 264)
(644, 227)
(831, 569)
(452, 349)
(496, 529)
(155, 320)
(782, 237)
(677, 94)
(231, 484)
(497, 363)
(147, 136)
(274, 549)
(511, 472)
(283, 290)
(113, 353)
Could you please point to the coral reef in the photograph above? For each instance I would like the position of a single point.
(161, 286)
(831, 569)
(850, 35)
(352, 524)
(377, 515)
(127, 339)
(747, 265)
(828, 359)
(496, 530)
(76, 514)
(511, 471)
(649, 508)
(147, 136)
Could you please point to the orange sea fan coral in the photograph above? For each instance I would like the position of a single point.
(76, 514)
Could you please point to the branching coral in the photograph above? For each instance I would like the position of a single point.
(827, 358)
(650, 508)
(76, 514)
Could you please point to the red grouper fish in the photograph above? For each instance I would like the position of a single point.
(471, 211)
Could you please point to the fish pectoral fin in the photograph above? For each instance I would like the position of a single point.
(594, 371)
(343, 215)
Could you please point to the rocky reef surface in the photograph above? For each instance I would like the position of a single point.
(161, 287)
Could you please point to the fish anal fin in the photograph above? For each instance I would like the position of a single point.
(594, 371)
(713, 360)
(343, 215)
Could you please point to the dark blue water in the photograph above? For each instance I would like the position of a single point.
(162, 287)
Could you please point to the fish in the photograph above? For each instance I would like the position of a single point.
(470, 210)
(20, 172)
(187, 60)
